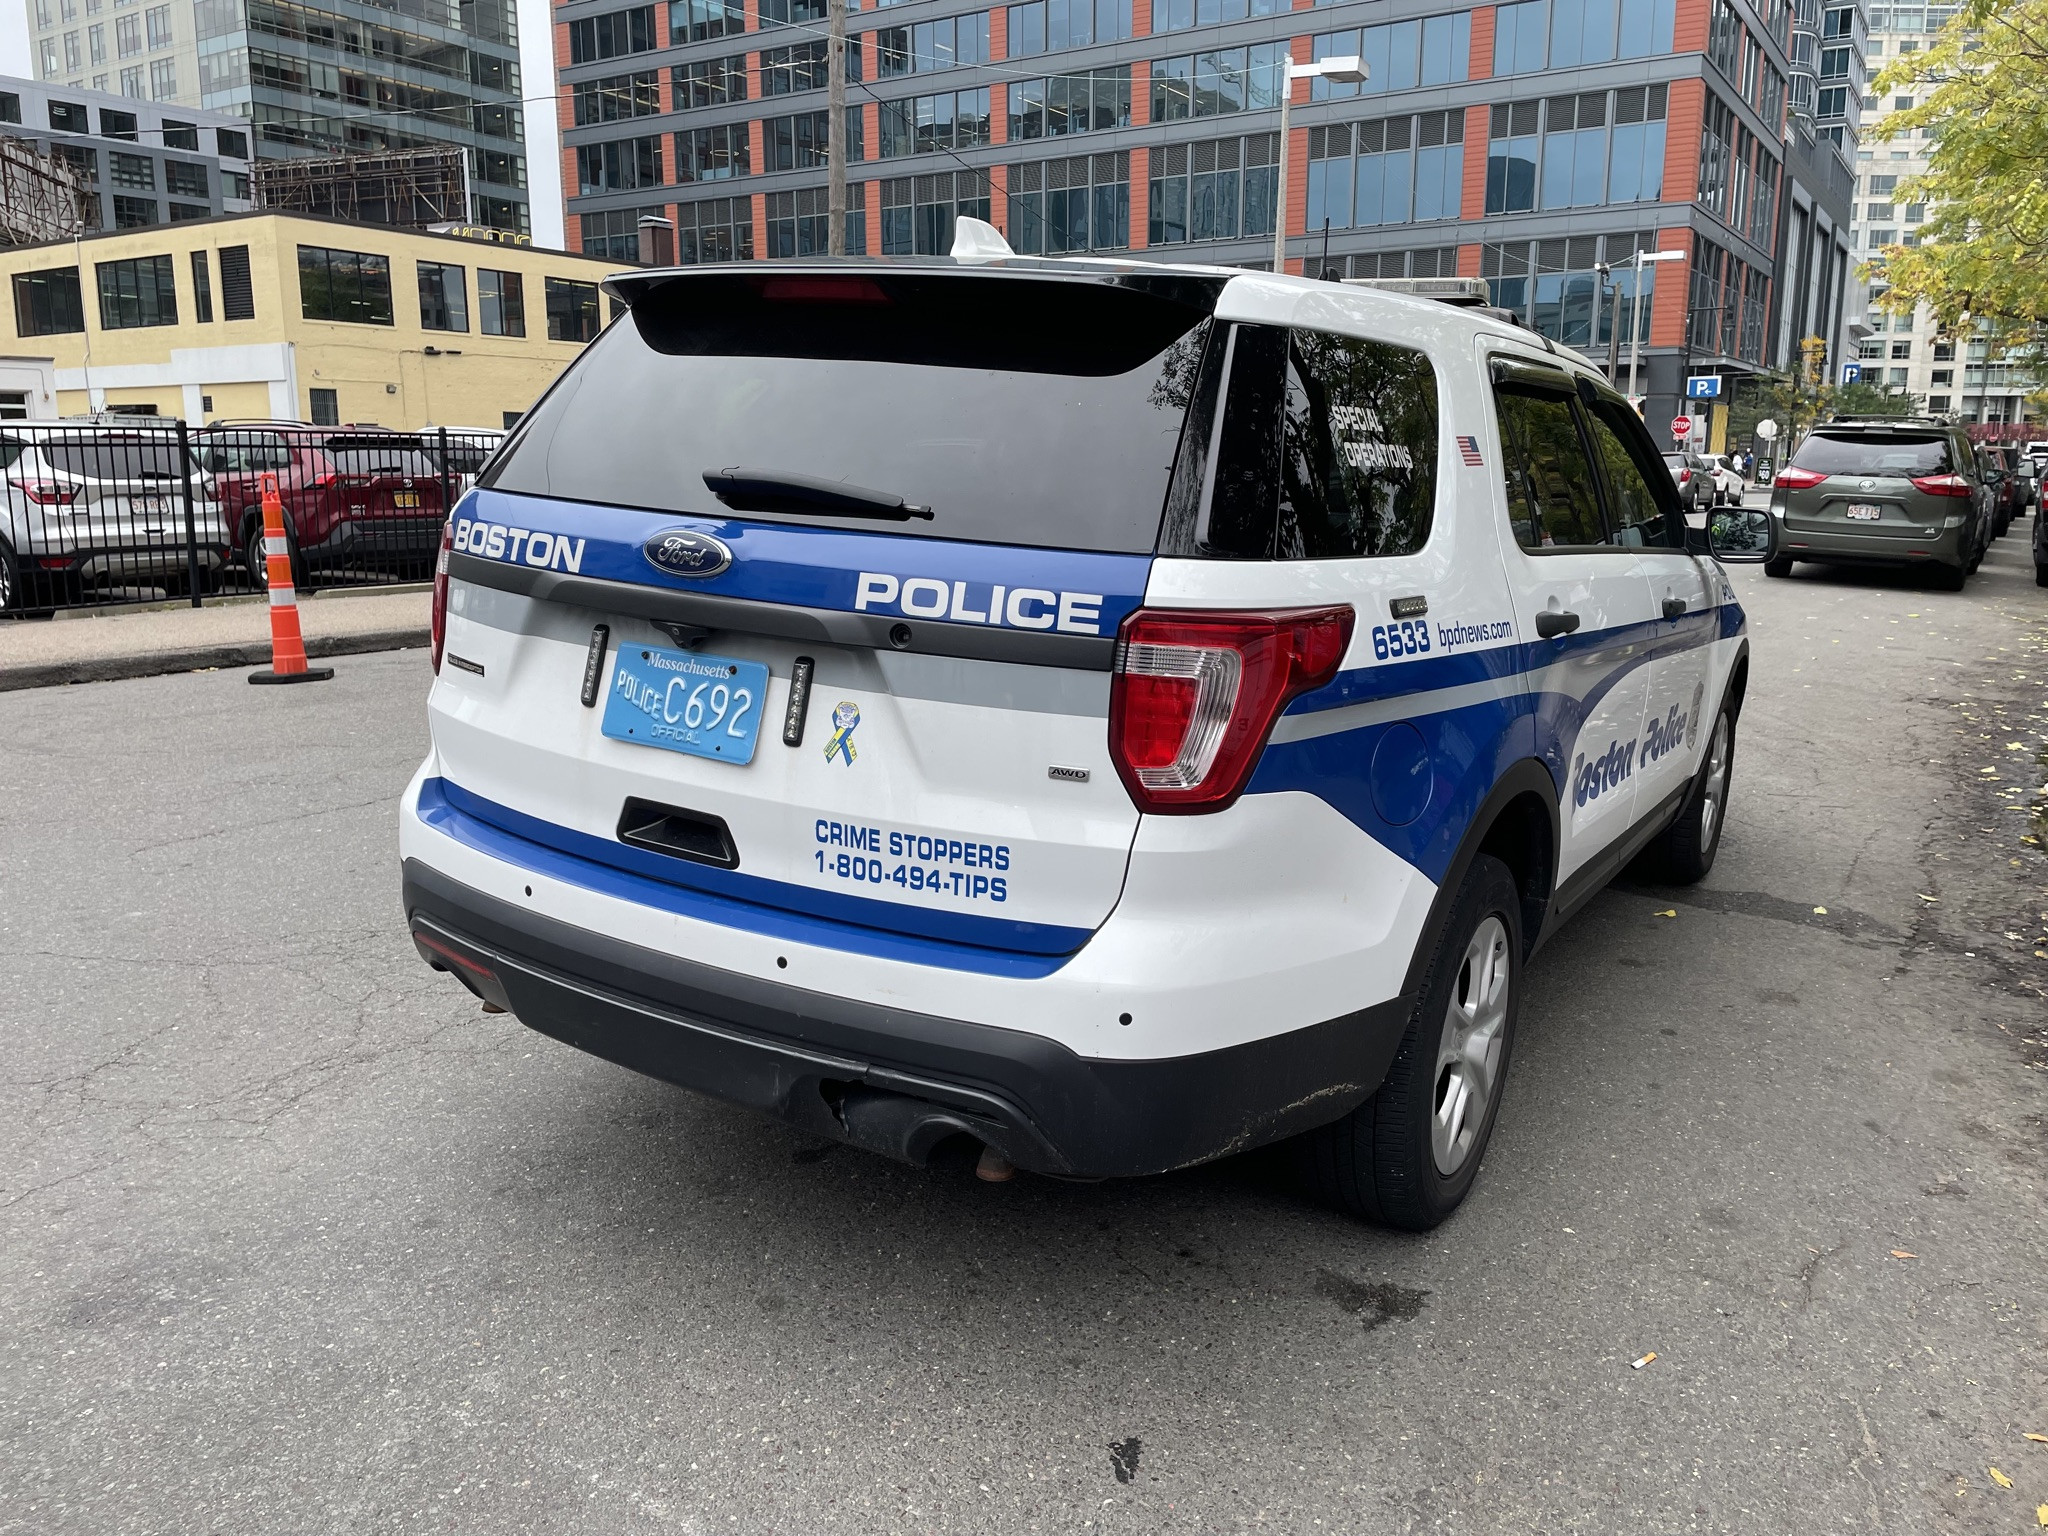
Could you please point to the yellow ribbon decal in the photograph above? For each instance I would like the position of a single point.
(844, 718)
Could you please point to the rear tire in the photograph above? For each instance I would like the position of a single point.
(1408, 1155)
(1782, 566)
(12, 598)
(1685, 850)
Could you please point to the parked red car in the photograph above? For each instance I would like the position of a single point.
(358, 501)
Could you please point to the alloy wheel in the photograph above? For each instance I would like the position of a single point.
(1715, 792)
(1468, 1054)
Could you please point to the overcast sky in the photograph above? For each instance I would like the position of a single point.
(537, 73)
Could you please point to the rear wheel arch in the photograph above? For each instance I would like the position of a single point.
(1516, 823)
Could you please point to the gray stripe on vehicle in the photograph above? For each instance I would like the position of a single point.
(905, 675)
(1406, 706)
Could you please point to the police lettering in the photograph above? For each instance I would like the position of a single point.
(960, 602)
(1666, 735)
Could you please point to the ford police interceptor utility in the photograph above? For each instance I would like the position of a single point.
(1122, 714)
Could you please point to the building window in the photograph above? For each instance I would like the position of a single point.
(708, 82)
(131, 82)
(1511, 157)
(619, 165)
(202, 289)
(1555, 34)
(1916, 213)
(500, 303)
(618, 97)
(47, 303)
(127, 36)
(326, 405)
(1217, 190)
(349, 286)
(96, 43)
(799, 222)
(918, 211)
(134, 212)
(1061, 104)
(792, 13)
(930, 45)
(917, 125)
(118, 125)
(231, 143)
(612, 35)
(157, 20)
(1212, 84)
(1942, 377)
(1404, 169)
(803, 67)
(444, 297)
(1901, 350)
(68, 117)
(235, 185)
(614, 234)
(1399, 56)
(180, 135)
(692, 21)
(237, 294)
(124, 170)
(572, 310)
(73, 60)
(1880, 238)
(1080, 204)
(715, 154)
(1047, 26)
(138, 292)
(10, 107)
(1939, 404)
(185, 178)
(185, 213)
(715, 229)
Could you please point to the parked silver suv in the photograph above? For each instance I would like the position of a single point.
(1883, 491)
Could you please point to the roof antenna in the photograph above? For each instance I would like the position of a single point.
(978, 240)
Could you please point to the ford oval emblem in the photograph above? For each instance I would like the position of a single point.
(682, 552)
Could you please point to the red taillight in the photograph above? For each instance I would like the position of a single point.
(440, 619)
(47, 493)
(1195, 695)
(1795, 479)
(1942, 485)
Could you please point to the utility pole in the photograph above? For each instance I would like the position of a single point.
(835, 137)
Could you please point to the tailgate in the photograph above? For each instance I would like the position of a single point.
(1844, 504)
(948, 778)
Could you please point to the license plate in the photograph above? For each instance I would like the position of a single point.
(1864, 512)
(149, 506)
(685, 701)
(405, 501)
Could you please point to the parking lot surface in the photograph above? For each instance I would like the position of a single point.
(293, 1238)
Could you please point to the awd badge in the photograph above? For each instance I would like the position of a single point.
(845, 717)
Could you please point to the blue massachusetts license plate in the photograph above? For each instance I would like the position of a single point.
(708, 706)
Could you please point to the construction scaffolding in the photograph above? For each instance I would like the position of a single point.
(406, 189)
(41, 199)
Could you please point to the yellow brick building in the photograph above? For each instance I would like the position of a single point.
(281, 316)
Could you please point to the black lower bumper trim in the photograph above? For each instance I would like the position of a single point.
(888, 1079)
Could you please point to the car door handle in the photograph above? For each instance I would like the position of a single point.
(1674, 607)
(1551, 625)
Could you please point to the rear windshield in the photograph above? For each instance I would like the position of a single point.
(1675, 460)
(1019, 410)
(113, 459)
(383, 461)
(1875, 453)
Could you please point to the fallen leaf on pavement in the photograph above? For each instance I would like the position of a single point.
(1672, 912)
(2000, 1478)
(2043, 1439)
(1900, 1253)
(1821, 911)
(1925, 897)
(2041, 1514)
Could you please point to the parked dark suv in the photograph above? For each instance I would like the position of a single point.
(1884, 491)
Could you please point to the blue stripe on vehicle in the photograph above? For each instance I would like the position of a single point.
(774, 908)
(807, 566)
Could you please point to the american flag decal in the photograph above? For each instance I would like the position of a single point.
(1468, 450)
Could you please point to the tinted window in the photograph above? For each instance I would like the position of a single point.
(384, 461)
(1021, 411)
(1328, 449)
(1875, 453)
(240, 453)
(1637, 514)
(1551, 499)
(113, 459)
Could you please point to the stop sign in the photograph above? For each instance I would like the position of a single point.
(1680, 425)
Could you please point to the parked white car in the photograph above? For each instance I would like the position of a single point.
(91, 505)
(1728, 483)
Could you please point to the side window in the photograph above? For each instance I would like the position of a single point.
(1358, 449)
(1551, 497)
(1327, 449)
(1639, 517)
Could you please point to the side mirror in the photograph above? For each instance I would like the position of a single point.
(1735, 536)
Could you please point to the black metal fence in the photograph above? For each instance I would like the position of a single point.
(130, 510)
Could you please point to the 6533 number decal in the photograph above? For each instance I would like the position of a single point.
(1410, 637)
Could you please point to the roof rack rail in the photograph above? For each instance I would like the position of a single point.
(1461, 292)
(1862, 419)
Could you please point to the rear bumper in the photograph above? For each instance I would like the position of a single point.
(889, 1079)
(1942, 546)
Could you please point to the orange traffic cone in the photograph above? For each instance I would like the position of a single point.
(287, 645)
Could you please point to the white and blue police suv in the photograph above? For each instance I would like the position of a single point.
(1123, 714)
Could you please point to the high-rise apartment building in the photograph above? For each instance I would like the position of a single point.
(1529, 144)
(319, 77)
(1945, 373)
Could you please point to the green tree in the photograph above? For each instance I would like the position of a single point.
(1981, 92)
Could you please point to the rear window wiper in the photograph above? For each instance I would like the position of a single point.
(761, 490)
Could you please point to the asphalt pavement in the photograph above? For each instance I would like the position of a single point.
(294, 1239)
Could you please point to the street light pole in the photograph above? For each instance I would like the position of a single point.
(1635, 313)
(1349, 70)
